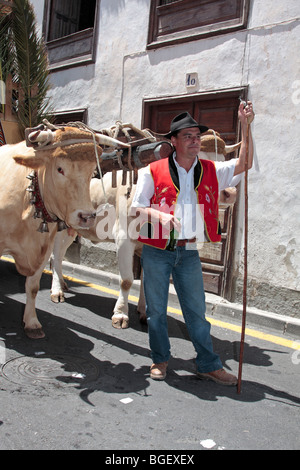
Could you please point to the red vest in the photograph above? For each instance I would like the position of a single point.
(166, 190)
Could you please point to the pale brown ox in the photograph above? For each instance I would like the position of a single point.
(63, 170)
(121, 198)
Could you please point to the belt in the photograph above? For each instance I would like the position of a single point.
(185, 241)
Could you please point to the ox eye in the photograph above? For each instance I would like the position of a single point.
(60, 170)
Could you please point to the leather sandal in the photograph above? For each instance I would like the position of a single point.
(158, 371)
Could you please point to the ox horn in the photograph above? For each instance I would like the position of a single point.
(109, 141)
(43, 137)
(232, 148)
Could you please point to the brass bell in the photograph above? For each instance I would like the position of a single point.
(43, 227)
(30, 176)
(33, 200)
(61, 225)
(30, 189)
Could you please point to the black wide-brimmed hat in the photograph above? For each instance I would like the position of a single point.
(182, 121)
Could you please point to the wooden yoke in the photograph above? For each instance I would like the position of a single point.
(145, 147)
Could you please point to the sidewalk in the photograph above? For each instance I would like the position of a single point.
(216, 306)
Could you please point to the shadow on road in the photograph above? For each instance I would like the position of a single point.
(67, 338)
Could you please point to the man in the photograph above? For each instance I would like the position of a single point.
(179, 196)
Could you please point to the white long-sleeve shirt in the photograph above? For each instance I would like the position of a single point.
(187, 209)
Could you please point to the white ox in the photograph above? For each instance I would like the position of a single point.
(213, 148)
(47, 181)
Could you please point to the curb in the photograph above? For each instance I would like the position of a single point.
(216, 306)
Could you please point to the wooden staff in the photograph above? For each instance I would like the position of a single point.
(245, 265)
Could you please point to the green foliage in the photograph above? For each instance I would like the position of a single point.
(23, 55)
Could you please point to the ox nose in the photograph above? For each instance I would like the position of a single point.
(86, 218)
(87, 215)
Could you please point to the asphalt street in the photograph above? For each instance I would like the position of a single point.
(86, 385)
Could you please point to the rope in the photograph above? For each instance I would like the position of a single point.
(216, 144)
(112, 131)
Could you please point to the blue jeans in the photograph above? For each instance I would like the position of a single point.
(185, 267)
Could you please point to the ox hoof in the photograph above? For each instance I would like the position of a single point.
(58, 298)
(125, 323)
(120, 323)
(143, 318)
(34, 333)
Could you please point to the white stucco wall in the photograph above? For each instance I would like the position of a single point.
(266, 58)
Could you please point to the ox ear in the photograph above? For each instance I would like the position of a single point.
(232, 148)
(30, 159)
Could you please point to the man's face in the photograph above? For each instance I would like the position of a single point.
(187, 142)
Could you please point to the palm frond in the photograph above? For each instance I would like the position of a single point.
(31, 64)
(23, 55)
(6, 43)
